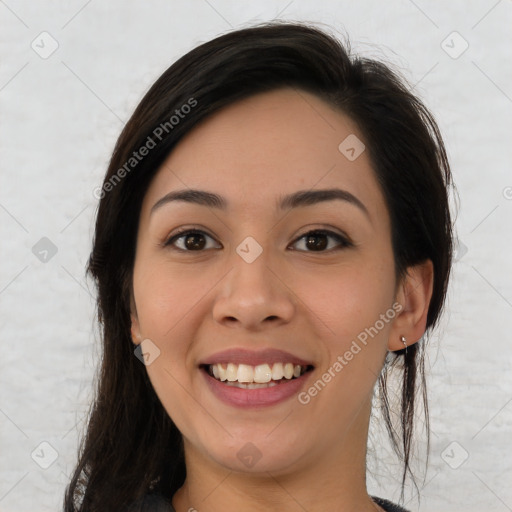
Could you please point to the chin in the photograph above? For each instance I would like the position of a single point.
(256, 455)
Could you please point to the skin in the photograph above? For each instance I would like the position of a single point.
(310, 303)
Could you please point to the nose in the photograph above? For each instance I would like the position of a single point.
(253, 296)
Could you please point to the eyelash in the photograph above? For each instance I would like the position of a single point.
(343, 242)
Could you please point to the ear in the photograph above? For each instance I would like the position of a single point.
(413, 294)
(135, 327)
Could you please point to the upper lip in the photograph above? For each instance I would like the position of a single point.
(254, 358)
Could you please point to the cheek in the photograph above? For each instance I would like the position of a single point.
(348, 300)
(164, 298)
(167, 302)
(354, 305)
(350, 305)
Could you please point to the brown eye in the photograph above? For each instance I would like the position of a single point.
(190, 240)
(320, 240)
(316, 242)
(194, 241)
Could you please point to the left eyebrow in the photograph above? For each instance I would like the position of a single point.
(310, 197)
(287, 202)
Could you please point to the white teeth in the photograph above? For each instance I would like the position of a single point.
(251, 385)
(278, 371)
(288, 370)
(222, 372)
(231, 372)
(245, 373)
(248, 375)
(262, 373)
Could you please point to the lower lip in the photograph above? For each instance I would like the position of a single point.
(259, 397)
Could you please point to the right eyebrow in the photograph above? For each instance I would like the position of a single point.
(200, 197)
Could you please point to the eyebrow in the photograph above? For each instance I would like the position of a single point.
(287, 202)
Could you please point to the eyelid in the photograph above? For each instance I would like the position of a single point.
(183, 231)
(343, 240)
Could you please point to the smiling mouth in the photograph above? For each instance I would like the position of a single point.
(255, 377)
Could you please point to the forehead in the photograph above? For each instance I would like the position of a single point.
(267, 145)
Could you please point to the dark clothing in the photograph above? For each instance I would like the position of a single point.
(157, 503)
(387, 505)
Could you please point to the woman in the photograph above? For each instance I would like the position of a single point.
(273, 239)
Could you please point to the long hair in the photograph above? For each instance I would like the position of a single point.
(132, 447)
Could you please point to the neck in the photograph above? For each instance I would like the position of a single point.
(331, 478)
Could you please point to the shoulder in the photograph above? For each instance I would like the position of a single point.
(387, 505)
(151, 503)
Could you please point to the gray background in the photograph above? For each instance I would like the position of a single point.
(60, 117)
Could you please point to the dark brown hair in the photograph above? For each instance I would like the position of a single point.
(132, 447)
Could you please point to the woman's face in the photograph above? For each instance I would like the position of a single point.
(251, 278)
